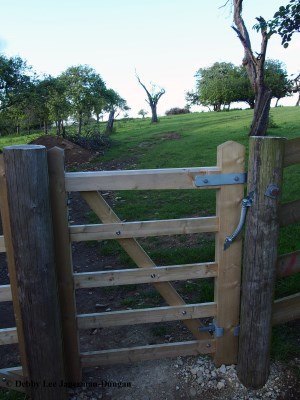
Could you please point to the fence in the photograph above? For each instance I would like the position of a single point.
(44, 314)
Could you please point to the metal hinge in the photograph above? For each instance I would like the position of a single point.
(221, 179)
(218, 331)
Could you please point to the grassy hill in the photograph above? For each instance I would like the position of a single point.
(187, 141)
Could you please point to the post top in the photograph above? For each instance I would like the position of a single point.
(24, 147)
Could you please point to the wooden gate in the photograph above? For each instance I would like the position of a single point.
(226, 269)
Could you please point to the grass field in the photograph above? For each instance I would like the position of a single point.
(188, 141)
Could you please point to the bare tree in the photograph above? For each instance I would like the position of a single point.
(153, 99)
(255, 69)
(296, 89)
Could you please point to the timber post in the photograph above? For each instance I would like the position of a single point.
(29, 226)
(260, 256)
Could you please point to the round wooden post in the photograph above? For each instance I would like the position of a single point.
(30, 223)
(260, 255)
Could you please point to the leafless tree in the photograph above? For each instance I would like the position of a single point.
(153, 99)
(255, 68)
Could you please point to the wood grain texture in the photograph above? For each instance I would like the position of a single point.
(145, 275)
(173, 178)
(142, 353)
(289, 213)
(286, 309)
(64, 265)
(288, 264)
(231, 158)
(143, 229)
(8, 336)
(5, 293)
(5, 218)
(147, 315)
(292, 152)
(260, 256)
(141, 258)
(2, 245)
(32, 239)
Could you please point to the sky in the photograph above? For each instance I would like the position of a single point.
(165, 41)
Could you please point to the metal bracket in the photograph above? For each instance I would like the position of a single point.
(220, 179)
(218, 331)
(246, 203)
(236, 330)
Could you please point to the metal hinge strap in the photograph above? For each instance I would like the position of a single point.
(235, 178)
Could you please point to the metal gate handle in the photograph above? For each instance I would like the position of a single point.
(246, 203)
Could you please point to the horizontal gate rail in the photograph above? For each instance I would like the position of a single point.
(2, 245)
(143, 229)
(286, 309)
(151, 179)
(151, 352)
(5, 293)
(145, 275)
(292, 152)
(9, 377)
(288, 264)
(8, 336)
(147, 315)
(289, 213)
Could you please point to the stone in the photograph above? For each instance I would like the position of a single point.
(193, 392)
(222, 369)
(220, 385)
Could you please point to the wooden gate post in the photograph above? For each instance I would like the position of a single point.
(230, 159)
(31, 262)
(260, 255)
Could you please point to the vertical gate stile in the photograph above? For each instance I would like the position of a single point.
(230, 159)
(64, 265)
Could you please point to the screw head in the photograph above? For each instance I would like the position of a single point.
(236, 178)
(183, 312)
(205, 180)
(118, 233)
(153, 275)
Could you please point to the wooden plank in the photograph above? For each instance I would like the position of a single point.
(231, 158)
(289, 213)
(260, 256)
(143, 229)
(173, 178)
(5, 293)
(8, 336)
(147, 315)
(286, 309)
(5, 218)
(145, 275)
(288, 264)
(151, 352)
(64, 265)
(10, 378)
(141, 258)
(2, 245)
(32, 237)
(292, 152)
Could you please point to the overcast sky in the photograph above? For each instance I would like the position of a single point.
(166, 41)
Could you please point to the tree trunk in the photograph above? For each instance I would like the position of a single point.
(298, 101)
(45, 128)
(276, 104)
(110, 122)
(98, 118)
(260, 119)
(154, 118)
(18, 129)
(79, 124)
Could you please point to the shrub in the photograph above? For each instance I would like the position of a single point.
(177, 110)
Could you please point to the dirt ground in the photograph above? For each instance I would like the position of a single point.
(179, 378)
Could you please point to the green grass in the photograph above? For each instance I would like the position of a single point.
(139, 144)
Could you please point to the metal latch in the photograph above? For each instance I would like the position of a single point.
(246, 203)
(220, 179)
(218, 331)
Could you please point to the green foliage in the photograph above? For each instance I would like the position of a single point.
(286, 21)
(224, 83)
